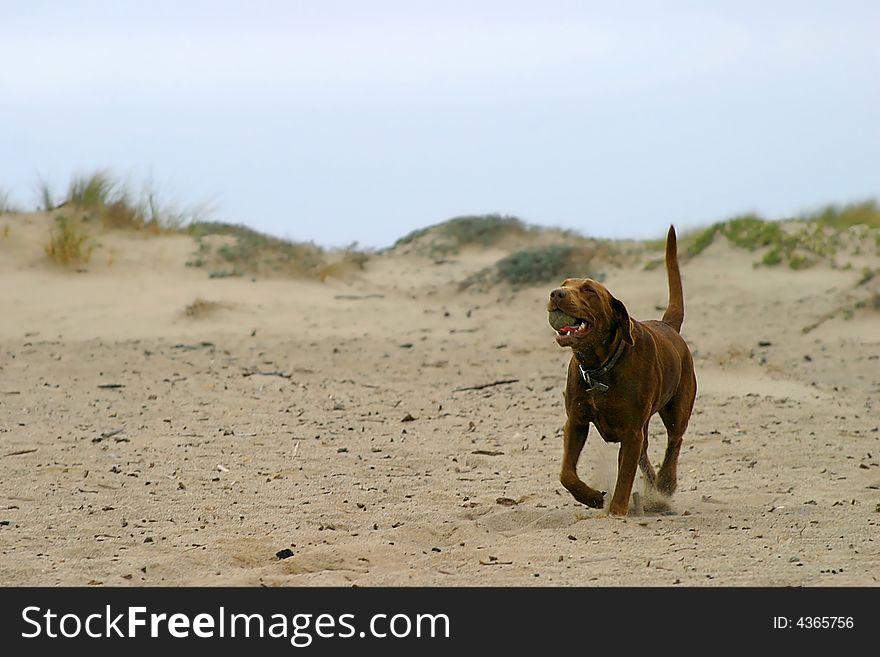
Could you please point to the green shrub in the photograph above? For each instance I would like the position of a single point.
(797, 261)
(483, 230)
(751, 231)
(772, 257)
(538, 265)
(224, 273)
(868, 275)
(252, 252)
(699, 242)
(799, 242)
(470, 230)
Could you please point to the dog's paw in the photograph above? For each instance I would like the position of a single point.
(583, 493)
(594, 499)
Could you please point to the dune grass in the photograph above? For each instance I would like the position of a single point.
(93, 191)
(69, 244)
(99, 202)
(864, 213)
(109, 201)
(6, 205)
(45, 196)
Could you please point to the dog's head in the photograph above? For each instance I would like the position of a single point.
(585, 314)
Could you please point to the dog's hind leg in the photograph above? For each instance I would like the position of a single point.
(675, 415)
(644, 463)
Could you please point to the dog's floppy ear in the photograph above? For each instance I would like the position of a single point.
(623, 320)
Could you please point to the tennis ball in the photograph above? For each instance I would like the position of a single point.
(558, 319)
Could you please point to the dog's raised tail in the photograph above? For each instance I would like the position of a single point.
(674, 315)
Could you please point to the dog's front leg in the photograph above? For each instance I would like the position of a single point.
(627, 463)
(575, 437)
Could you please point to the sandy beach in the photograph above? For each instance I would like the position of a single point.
(159, 427)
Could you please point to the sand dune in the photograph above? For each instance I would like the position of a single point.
(141, 444)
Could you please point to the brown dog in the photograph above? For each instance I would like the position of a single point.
(622, 371)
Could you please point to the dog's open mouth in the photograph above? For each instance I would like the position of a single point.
(581, 328)
(568, 327)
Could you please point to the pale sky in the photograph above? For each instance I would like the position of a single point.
(348, 121)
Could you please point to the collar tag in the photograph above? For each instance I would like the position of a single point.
(591, 385)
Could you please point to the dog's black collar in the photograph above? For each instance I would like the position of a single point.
(589, 374)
